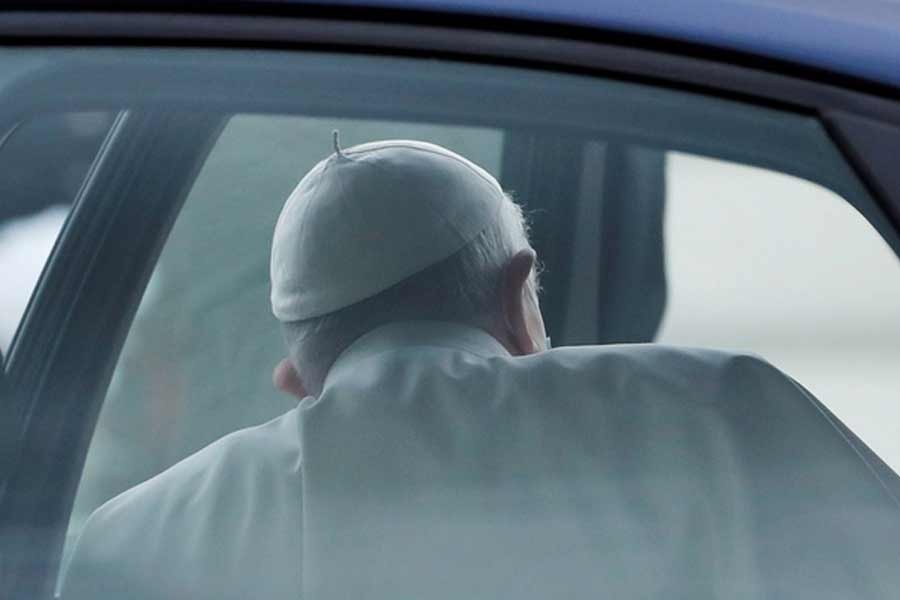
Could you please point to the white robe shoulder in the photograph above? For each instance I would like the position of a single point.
(436, 465)
(223, 523)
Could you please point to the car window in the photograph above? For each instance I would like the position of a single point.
(45, 160)
(658, 216)
(180, 384)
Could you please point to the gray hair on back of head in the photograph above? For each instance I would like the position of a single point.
(463, 288)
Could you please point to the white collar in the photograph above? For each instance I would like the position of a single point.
(407, 334)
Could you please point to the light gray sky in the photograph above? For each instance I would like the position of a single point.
(24, 246)
(764, 262)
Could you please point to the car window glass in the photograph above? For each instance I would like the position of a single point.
(180, 376)
(738, 278)
(658, 215)
(44, 160)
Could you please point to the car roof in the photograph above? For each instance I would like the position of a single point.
(858, 39)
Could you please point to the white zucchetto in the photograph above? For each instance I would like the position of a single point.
(370, 216)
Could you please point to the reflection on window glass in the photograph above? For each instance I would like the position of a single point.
(439, 462)
(183, 380)
(44, 161)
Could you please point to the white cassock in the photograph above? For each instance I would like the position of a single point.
(436, 466)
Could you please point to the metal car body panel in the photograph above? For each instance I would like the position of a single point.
(857, 40)
(853, 39)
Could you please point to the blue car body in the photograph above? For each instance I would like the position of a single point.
(853, 39)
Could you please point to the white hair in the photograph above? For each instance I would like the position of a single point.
(462, 288)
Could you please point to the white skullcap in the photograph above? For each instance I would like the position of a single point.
(366, 218)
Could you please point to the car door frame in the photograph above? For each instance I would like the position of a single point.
(86, 297)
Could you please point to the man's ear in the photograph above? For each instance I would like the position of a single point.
(286, 379)
(516, 302)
